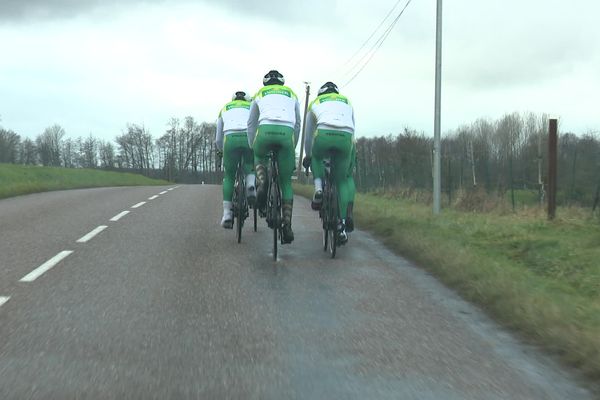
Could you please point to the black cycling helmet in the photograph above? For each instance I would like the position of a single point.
(329, 87)
(241, 95)
(273, 77)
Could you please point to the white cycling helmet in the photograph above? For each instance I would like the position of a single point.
(241, 95)
(273, 77)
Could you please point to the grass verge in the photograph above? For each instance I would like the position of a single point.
(537, 277)
(19, 179)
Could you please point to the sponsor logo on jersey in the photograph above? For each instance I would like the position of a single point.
(237, 105)
(281, 91)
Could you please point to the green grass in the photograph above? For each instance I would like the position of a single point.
(537, 277)
(19, 179)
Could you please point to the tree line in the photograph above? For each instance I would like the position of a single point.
(506, 157)
(184, 152)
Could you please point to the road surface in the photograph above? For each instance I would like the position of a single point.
(160, 302)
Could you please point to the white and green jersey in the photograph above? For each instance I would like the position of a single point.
(274, 105)
(233, 118)
(329, 111)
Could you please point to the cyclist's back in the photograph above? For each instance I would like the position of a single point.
(330, 132)
(274, 123)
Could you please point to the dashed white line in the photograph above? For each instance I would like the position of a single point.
(141, 203)
(170, 189)
(153, 197)
(36, 273)
(3, 299)
(119, 216)
(93, 233)
(163, 192)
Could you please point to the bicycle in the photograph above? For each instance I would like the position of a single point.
(329, 211)
(273, 206)
(239, 201)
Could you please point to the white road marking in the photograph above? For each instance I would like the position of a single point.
(170, 189)
(153, 197)
(141, 203)
(119, 216)
(93, 233)
(163, 192)
(3, 299)
(36, 273)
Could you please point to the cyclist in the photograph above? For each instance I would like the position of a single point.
(232, 143)
(330, 126)
(274, 122)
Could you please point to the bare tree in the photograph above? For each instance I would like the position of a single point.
(9, 146)
(48, 145)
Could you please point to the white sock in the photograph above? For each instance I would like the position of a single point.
(226, 209)
(250, 182)
(318, 184)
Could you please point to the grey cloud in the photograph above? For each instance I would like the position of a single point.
(23, 10)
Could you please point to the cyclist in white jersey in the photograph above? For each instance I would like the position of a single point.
(330, 130)
(232, 142)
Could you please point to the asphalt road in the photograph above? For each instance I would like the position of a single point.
(164, 304)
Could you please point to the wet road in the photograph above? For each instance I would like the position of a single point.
(162, 303)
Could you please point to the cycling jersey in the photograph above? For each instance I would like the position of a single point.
(329, 111)
(274, 105)
(233, 118)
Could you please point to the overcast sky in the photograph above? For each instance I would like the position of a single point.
(92, 66)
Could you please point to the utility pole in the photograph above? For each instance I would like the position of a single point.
(437, 170)
(539, 161)
(552, 167)
(303, 128)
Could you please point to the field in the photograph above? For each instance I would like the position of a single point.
(18, 179)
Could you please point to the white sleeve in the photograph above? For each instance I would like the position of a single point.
(311, 125)
(298, 123)
(253, 122)
(219, 135)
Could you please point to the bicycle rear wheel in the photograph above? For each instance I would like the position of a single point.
(275, 215)
(255, 217)
(324, 214)
(333, 220)
(239, 207)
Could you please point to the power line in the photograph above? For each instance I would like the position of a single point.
(379, 43)
(370, 37)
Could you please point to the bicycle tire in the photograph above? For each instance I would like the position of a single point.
(275, 217)
(239, 207)
(333, 229)
(323, 213)
(255, 217)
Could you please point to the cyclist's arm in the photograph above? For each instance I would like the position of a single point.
(219, 136)
(298, 122)
(253, 122)
(311, 124)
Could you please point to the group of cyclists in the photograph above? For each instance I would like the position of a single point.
(250, 127)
